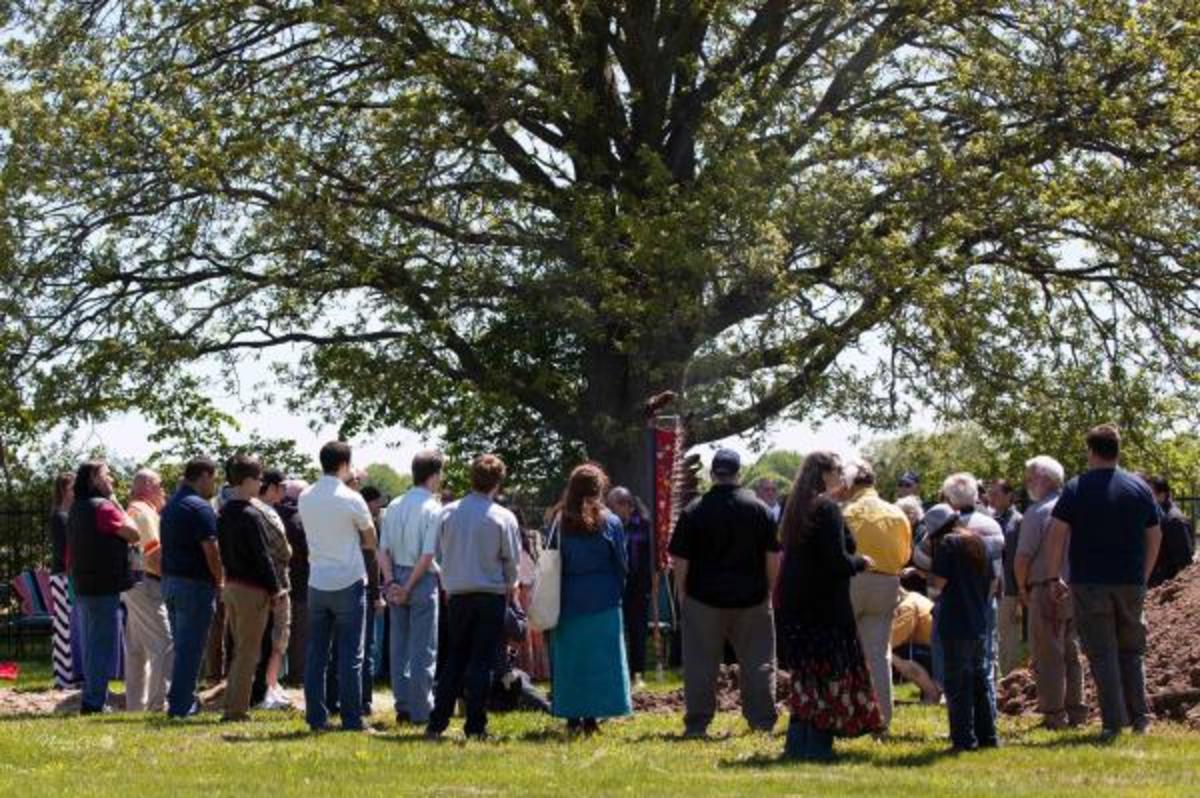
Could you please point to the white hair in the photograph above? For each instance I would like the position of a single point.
(855, 470)
(911, 506)
(144, 482)
(961, 490)
(1046, 466)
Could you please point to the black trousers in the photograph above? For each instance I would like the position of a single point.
(636, 609)
(474, 631)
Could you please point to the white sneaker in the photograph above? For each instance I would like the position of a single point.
(276, 699)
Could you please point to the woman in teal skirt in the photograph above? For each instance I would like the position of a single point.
(590, 673)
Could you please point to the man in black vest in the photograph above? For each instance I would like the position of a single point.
(99, 534)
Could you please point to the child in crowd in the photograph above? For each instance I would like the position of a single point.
(962, 571)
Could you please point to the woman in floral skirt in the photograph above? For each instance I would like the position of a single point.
(818, 641)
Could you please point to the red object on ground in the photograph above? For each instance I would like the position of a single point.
(9, 671)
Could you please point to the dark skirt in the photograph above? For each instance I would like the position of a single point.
(831, 686)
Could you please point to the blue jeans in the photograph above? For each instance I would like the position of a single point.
(969, 699)
(334, 614)
(191, 604)
(413, 646)
(99, 614)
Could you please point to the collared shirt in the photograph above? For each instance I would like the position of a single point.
(881, 531)
(478, 547)
(187, 522)
(410, 528)
(146, 519)
(726, 535)
(912, 621)
(1035, 529)
(333, 516)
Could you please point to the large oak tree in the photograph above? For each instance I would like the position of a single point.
(516, 219)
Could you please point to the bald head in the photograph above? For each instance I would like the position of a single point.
(147, 487)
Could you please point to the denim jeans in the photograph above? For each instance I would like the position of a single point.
(340, 615)
(332, 698)
(476, 629)
(99, 615)
(191, 604)
(413, 646)
(969, 699)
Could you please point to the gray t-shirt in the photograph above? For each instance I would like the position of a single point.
(478, 547)
(1035, 529)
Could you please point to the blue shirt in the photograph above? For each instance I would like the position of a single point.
(187, 521)
(593, 569)
(964, 601)
(1109, 511)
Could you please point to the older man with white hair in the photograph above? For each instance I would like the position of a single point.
(962, 492)
(881, 532)
(149, 651)
(1055, 649)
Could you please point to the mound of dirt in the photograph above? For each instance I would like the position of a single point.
(1172, 657)
(728, 695)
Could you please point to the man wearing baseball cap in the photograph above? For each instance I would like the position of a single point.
(725, 552)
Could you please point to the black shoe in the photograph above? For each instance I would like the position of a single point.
(433, 735)
(403, 719)
(1109, 735)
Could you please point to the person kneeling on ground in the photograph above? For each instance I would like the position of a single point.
(912, 643)
(962, 571)
(512, 688)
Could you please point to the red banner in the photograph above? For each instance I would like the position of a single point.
(665, 443)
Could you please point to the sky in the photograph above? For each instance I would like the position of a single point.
(126, 436)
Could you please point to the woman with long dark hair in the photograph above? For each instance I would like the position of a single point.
(60, 591)
(590, 672)
(818, 642)
(99, 534)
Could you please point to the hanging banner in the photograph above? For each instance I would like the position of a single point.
(666, 440)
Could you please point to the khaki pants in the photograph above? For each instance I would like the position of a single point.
(246, 609)
(1055, 653)
(1008, 629)
(751, 632)
(874, 598)
(149, 652)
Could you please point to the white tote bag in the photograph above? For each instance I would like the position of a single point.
(547, 588)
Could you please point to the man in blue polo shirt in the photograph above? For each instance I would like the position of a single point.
(1111, 522)
(192, 578)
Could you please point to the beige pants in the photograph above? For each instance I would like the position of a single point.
(1056, 665)
(247, 609)
(149, 652)
(874, 597)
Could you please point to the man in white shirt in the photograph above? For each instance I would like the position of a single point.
(407, 543)
(338, 524)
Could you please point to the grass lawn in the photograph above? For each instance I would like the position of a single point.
(274, 755)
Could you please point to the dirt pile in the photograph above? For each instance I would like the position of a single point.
(1172, 657)
(728, 695)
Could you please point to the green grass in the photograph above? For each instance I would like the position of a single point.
(274, 755)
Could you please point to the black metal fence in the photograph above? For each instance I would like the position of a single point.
(24, 540)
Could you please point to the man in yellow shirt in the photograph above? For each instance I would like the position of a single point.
(912, 636)
(881, 532)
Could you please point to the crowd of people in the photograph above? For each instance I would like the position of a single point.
(830, 583)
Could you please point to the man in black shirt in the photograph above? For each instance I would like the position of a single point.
(725, 553)
(1178, 539)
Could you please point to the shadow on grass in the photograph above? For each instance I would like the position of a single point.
(268, 737)
(915, 759)
(677, 737)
